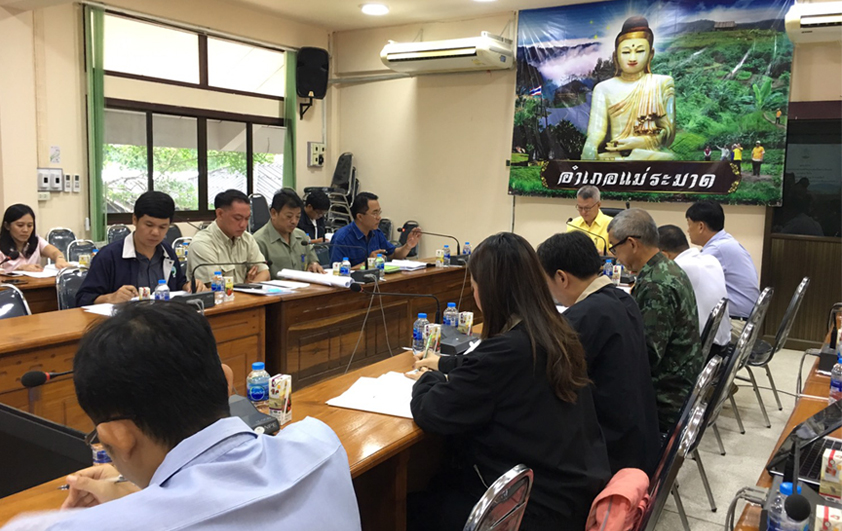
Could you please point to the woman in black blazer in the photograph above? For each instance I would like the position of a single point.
(521, 396)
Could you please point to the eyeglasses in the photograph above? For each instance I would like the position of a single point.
(613, 248)
(375, 213)
(93, 437)
(587, 209)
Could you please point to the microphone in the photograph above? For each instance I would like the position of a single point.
(604, 249)
(358, 288)
(36, 378)
(454, 238)
(193, 272)
(331, 244)
(13, 255)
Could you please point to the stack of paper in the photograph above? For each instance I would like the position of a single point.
(106, 309)
(288, 284)
(326, 279)
(409, 265)
(388, 394)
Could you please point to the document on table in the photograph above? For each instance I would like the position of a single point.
(288, 284)
(388, 394)
(48, 272)
(409, 265)
(326, 279)
(106, 309)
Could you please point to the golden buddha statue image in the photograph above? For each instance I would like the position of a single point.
(633, 113)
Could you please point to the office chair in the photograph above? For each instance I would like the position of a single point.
(502, 506)
(259, 212)
(386, 228)
(173, 233)
(12, 302)
(68, 282)
(79, 247)
(407, 228)
(60, 238)
(117, 232)
(758, 313)
(763, 352)
(712, 326)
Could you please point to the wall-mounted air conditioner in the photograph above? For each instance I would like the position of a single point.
(486, 52)
(814, 22)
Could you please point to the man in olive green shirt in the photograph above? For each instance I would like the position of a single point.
(281, 242)
(225, 242)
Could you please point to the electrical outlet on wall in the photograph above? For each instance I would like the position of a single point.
(315, 154)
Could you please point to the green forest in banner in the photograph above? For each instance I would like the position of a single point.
(728, 84)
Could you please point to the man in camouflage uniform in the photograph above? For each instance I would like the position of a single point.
(668, 304)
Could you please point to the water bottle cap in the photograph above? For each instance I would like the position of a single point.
(609, 261)
(162, 281)
(379, 255)
(258, 366)
(451, 305)
(467, 243)
(422, 315)
(344, 258)
(217, 272)
(447, 247)
(786, 488)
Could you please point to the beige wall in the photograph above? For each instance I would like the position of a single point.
(42, 94)
(434, 147)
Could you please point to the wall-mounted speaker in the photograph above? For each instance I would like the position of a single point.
(311, 72)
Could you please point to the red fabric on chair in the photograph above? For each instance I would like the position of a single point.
(621, 503)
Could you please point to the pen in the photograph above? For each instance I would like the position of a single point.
(116, 479)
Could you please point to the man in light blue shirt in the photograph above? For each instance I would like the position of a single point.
(151, 381)
(706, 227)
(362, 238)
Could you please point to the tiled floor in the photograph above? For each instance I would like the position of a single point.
(746, 455)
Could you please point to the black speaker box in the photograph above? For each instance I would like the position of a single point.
(311, 71)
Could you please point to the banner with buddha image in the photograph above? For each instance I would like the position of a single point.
(653, 100)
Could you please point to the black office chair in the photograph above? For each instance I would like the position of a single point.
(68, 282)
(117, 232)
(386, 228)
(614, 211)
(407, 228)
(173, 233)
(12, 302)
(60, 238)
(259, 212)
(763, 352)
(502, 506)
(76, 248)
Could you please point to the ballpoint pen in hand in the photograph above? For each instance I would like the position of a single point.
(115, 479)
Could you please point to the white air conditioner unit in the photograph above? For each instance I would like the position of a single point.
(486, 52)
(814, 22)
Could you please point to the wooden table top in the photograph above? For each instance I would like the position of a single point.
(817, 386)
(52, 328)
(30, 283)
(368, 438)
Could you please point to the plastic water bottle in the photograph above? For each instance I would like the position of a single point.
(836, 381)
(451, 315)
(776, 508)
(418, 333)
(447, 255)
(608, 268)
(345, 268)
(380, 263)
(162, 292)
(466, 250)
(218, 287)
(258, 386)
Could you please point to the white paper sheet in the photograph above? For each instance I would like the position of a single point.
(388, 394)
(288, 284)
(266, 290)
(409, 265)
(105, 309)
(326, 279)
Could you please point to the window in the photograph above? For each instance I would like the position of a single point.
(149, 50)
(189, 154)
(232, 65)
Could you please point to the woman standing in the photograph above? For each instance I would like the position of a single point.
(21, 248)
(521, 396)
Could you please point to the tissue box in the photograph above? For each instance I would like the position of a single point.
(280, 398)
(828, 519)
(830, 485)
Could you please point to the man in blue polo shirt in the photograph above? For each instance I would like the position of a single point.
(139, 260)
(363, 238)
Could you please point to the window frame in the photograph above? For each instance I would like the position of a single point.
(203, 62)
(202, 116)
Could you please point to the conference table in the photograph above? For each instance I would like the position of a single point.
(817, 386)
(40, 293)
(388, 456)
(313, 334)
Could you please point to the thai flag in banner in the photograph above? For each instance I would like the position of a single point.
(536, 91)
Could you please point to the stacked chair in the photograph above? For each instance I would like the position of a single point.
(343, 188)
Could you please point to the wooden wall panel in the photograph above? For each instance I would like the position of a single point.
(791, 259)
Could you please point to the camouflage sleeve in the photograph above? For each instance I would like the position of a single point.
(657, 309)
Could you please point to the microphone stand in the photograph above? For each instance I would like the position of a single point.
(604, 241)
(358, 289)
(458, 249)
(193, 271)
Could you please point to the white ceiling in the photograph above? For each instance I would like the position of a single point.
(338, 15)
